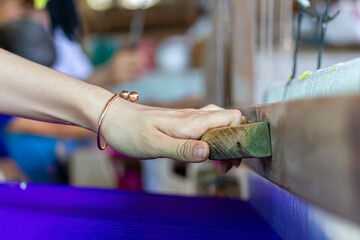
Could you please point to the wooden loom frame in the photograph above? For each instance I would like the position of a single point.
(315, 142)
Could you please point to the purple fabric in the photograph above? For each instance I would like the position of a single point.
(61, 212)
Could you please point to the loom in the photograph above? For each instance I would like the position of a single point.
(301, 163)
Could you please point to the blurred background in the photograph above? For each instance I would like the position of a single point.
(178, 54)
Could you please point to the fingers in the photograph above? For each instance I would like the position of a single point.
(181, 129)
(211, 107)
(184, 150)
(224, 166)
(221, 118)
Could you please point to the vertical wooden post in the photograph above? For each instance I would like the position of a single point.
(230, 61)
(243, 47)
(215, 57)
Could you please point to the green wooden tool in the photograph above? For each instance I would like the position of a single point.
(244, 141)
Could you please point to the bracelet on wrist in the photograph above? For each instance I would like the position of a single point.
(133, 97)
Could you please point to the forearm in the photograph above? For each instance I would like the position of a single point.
(33, 91)
(28, 126)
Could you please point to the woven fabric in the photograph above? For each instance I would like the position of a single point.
(61, 212)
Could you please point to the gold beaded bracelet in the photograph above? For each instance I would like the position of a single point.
(133, 97)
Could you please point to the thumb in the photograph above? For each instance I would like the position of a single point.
(186, 150)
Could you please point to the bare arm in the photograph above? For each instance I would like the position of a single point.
(32, 91)
(23, 125)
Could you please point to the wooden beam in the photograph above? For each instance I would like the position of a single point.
(244, 141)
(316, 151)
(215, 57)
(230, 62)
(243, 47)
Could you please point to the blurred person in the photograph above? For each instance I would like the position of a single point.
(61, 20)
(178, 80)
(25, 32)
(9, 170)
(35, 145)
(125, 66)
(30, 40)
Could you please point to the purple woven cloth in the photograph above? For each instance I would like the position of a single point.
(62, 212)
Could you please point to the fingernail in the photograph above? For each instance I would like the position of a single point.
(199, 152)
(244, 120)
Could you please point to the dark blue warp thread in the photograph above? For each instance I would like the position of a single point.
(62, 212)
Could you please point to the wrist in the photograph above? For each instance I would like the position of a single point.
(92, 106)
(96, 100)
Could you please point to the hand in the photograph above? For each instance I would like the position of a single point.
(149, 132)
(127, 66)
(225, 166)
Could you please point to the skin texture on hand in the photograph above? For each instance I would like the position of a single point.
(149, 132)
